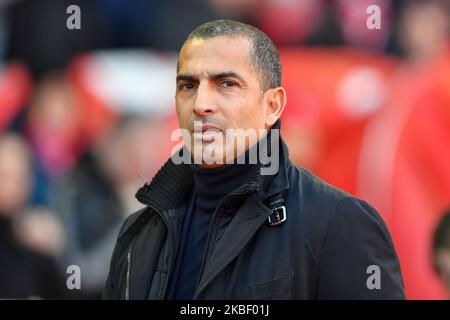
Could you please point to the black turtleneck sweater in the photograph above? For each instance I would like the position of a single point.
(210, 187)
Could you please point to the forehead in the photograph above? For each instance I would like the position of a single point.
(215, 55)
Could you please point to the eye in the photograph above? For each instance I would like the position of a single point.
(228, 83)
(186, 86)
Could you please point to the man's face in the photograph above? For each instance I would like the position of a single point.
(217, 85)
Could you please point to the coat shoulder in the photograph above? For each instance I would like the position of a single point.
(130, 221)
(329, 201)
(314, 196)
(317, 205)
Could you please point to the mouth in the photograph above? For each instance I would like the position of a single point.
(206, 132)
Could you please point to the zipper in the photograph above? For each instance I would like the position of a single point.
(171, 243)
(247, 189)
(127, 280)
(173, 255)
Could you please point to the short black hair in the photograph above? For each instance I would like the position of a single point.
(264, 55)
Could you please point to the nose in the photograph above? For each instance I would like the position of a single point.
(204, 104)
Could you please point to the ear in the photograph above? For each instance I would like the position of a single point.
(276, 101)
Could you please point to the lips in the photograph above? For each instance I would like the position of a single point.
(206, 132)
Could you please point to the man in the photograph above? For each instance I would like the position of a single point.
(220, 229)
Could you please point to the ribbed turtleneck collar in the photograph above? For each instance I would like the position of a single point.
(211, 185)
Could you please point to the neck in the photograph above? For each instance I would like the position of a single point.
(211, 185)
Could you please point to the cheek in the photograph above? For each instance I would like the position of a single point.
(243, 112)
(252, 116)
(183, 115)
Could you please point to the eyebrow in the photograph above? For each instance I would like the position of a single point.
(214, 76)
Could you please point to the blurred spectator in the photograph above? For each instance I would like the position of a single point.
(424, 29)
(91, 210)
(53, 125)
(24, 272)
(61, 120)
(352, 20)
(95, 197)
(441, 250)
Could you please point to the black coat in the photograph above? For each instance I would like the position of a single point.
(324, 250)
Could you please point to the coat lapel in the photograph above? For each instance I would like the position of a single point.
(247, 221)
